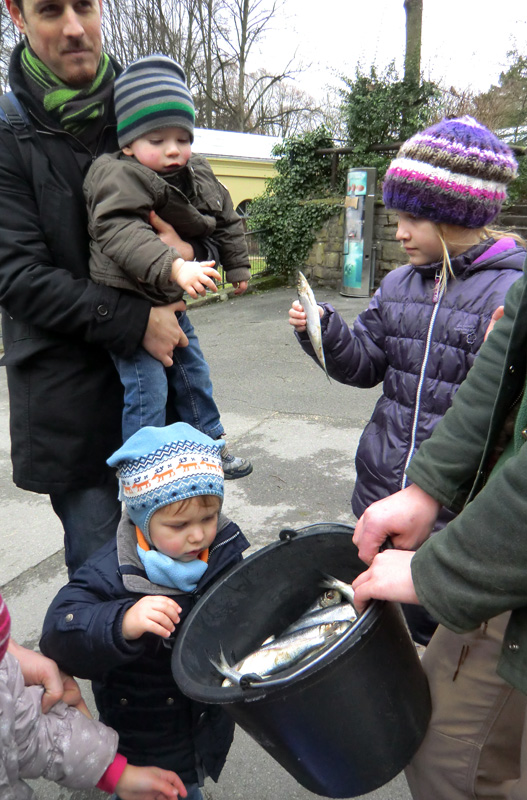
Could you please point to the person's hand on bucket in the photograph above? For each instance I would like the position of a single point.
(406, 517)
(388, 578)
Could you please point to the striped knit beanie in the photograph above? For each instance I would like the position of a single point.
(159, 466)
(455, 172)
(5, 628)
(152, 93)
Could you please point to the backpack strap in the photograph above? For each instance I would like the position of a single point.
(12, 112)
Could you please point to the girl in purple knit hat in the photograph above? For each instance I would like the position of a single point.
(426, 322)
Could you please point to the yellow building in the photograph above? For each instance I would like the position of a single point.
(241, 161)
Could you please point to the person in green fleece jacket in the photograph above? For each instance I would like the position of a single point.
(471, 576)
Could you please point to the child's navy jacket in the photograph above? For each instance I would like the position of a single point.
(133, 685)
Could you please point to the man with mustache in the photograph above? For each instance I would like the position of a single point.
(58, 326)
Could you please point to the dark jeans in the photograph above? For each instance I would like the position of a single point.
(89, 517)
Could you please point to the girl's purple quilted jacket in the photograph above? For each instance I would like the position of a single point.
(420, 349)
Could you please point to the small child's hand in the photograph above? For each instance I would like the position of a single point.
(72, 695)
(195, 276)
(149, 783)
(151, 614)
(240, 286)
(297, 317)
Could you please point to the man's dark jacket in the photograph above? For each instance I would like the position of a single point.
(65, 395)
(133, 684)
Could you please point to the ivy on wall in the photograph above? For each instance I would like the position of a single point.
(379, 107)
(296, 201)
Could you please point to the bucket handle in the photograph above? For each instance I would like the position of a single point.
(287, 534)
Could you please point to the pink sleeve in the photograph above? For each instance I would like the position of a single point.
(110, 778)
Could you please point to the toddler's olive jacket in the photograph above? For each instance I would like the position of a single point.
(125, 251)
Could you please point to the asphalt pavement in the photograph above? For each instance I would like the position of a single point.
(299, 430)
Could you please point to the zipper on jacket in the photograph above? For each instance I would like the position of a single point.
(437, 297)
(437, 284)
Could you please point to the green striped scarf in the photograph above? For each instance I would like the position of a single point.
(74, 108)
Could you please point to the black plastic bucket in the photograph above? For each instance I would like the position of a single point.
(342, 725)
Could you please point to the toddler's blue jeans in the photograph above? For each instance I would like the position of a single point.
(186, 385)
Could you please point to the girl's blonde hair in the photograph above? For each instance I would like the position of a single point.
(482, 233)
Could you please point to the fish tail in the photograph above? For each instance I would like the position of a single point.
(225, 669)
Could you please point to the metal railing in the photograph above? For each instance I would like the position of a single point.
(256, 257)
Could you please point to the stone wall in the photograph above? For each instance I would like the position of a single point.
(324, 264)
(388, 252)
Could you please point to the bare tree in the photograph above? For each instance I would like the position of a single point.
(246, 23)
(284, 110)
(504, 106)
(9, 36)
(136, 28)
(212, 40)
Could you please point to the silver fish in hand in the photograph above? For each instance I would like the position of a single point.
(307, 300)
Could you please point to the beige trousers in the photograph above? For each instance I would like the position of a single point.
(476, 744)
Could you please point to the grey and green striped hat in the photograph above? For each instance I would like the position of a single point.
(152, 93)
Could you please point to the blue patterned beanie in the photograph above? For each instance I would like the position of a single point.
(159, 466)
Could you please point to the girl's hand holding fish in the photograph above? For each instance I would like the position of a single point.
(298, 318)
(313, 315)
(388, 578)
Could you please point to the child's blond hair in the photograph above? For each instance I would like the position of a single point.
(482, 233)
(179, 506)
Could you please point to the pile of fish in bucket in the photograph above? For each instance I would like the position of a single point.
(321, 625)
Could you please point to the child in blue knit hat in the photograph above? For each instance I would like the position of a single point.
(116, 620)
(154, 184)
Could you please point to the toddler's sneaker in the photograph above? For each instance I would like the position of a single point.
(233, 466)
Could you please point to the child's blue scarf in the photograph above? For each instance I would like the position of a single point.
(166, 571)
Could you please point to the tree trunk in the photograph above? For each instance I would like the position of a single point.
(412, 60)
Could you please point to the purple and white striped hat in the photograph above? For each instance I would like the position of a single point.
(455, 172)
